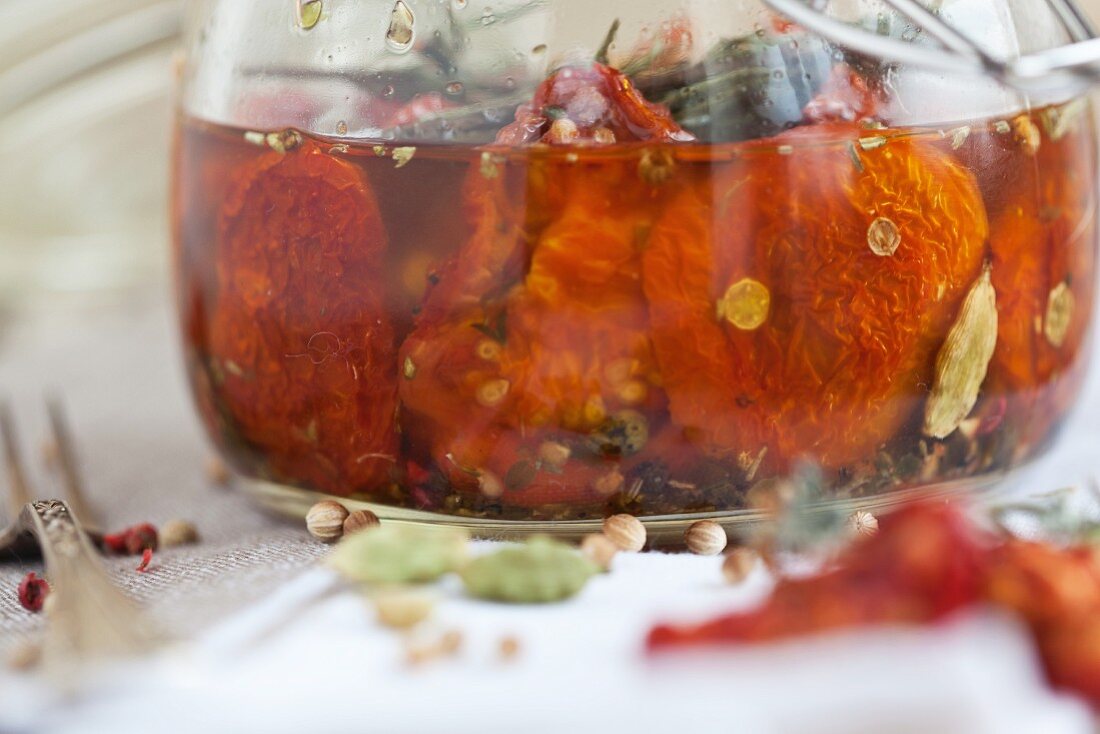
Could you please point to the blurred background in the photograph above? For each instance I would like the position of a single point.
(85, 129)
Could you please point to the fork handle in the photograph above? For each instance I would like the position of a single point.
(89, 617)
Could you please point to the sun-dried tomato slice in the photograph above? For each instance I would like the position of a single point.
(305, 356)
(536, 336)
(1044, 242)
(538, 326)
(777, 324)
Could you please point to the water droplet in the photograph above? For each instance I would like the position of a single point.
(454, 89)
(341, 128)
(509, 82)
(387, 91)
(778, 74)
(458, 4)
(309, 12)
(399, 37)
(540, 49)
(487, 17)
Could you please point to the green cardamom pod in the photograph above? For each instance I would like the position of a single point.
(539, 571)
(400, 554)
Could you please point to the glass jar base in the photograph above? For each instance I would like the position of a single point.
(664, 531)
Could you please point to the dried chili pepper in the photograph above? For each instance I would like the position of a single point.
(797, 302)
(927, 562)
(589, 103)
(33, 592)
(146, 559)
(299, 330)
(922, 565)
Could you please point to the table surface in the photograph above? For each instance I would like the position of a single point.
(117, 366)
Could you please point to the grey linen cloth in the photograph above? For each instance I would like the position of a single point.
(115, 361)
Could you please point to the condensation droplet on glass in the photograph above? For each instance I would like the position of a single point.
(388, 90)
(309, 13)
(488, 17)
(458, 4)
(778, 74)
(509, 82)
(454, 88)
(399, 37)
(341, 128)
(758, 29)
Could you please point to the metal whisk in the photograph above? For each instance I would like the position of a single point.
(1073, 67)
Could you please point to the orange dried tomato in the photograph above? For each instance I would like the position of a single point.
(538, 326)
(774, 322)
(1043, 243)
(535, 337)
(305, 356)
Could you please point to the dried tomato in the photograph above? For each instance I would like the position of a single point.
(926, 562)
(305, 356)
(538, 325)
(535, 338)
(775, 321)
(1043, 242)
(595, 102)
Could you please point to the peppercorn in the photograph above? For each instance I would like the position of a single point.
(33, 592)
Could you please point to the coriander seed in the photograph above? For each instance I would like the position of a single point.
(625, 531)
(325, 521)
(863, 524)
(739, 563)
(599, 549)
(508, 649)
(705, 538)
(360, 520)
(403, 609)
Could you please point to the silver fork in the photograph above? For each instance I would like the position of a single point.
(1071, 68)
(89, 618)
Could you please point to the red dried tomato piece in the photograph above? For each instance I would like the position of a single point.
(1044, 248)
(775, 322)
(305, 354)
(590, 103)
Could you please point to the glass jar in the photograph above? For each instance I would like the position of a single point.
(521, 264)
